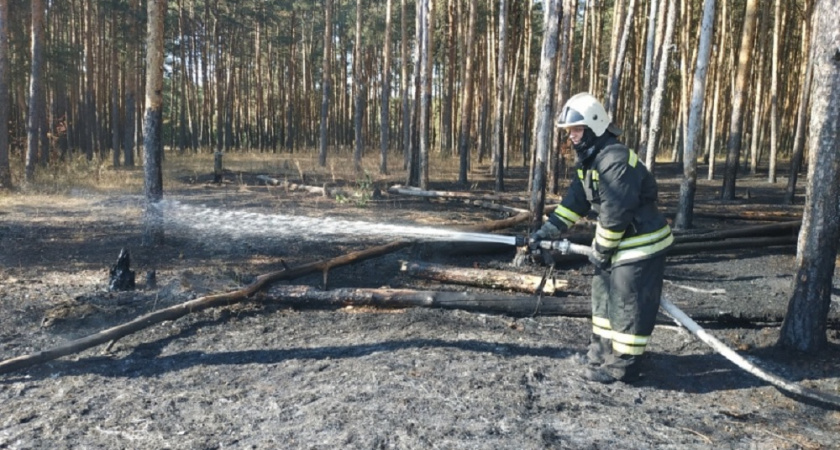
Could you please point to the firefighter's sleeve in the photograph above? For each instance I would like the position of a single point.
(619, 189)
(572, 207)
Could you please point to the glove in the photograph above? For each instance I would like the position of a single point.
(601, 258)
(547, 232)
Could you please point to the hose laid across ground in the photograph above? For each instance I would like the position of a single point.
(683, 320)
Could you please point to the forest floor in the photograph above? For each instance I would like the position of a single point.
(265, 374)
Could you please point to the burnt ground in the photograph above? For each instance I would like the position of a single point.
(264, 374)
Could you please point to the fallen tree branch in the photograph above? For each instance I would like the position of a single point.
(199, 304)
(486, 278)
(210, 301)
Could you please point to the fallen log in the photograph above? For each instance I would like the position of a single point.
(495, 206)
(682, 248)
(209, 301)
(789, 228)
(482, 302)
(417, 192)
(486, 278)
(749, 215)
(289, 186)
(199, 304)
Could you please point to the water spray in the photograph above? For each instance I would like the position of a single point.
(212, 222)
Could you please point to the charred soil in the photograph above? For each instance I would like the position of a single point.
(265, 374)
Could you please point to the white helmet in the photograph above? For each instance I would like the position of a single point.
(584, 109)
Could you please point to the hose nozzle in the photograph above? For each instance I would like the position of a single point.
(561, 245)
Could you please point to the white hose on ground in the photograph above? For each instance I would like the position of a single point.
(682, 319)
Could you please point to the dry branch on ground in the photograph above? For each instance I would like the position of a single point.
(325, 191)
(174, 312)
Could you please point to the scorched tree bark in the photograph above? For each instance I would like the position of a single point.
(688, 187)
(736, 121)
(5, 167)
(804, 327)
(152, 124)
(543, 113)
(325, 83)
(35, 120)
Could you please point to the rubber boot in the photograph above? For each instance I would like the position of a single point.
(599, 348)
(617, 367)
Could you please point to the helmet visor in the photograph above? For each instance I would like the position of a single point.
(569, 117)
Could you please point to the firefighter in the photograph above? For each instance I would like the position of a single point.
(631, 239)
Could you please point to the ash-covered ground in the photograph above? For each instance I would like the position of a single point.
(263, 374)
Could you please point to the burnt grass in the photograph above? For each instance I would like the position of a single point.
(266, 374)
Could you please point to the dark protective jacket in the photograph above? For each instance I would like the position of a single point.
(616, 185)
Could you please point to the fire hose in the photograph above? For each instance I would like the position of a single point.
(565, 247)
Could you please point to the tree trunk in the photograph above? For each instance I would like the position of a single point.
(358, 87)
(425, 119)
(36, 89)
(326, 76)
(464, 141)
(804, 101)
(804, 327)
(618, 12)
(544, 110)
(153, 126)
(556, 160)
(406, 85)
(758, 99)
(650, 53)
(615, 82)
(385, 112)
(115, 94)
(499, 100)
(688, 187)
(129, 129)
(736, 121)
(526, 87)
(414, 151)
(451, 71)
(719, 77)
(5, 166)
(774, 93)
(657, 101)
(220, 107)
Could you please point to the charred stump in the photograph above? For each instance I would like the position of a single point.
(121, 275)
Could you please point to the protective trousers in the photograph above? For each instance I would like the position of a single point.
(625, 301)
